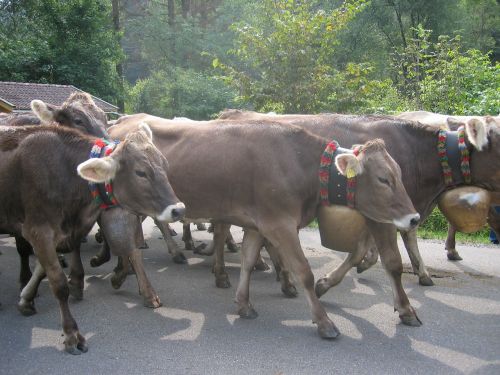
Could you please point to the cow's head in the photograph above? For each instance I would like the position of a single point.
(380, 194)
(78, 112)
(139, 173)
(482, 135)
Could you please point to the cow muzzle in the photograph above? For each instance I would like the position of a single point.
(407, 222)
(173, 212)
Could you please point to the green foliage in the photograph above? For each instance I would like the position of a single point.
(439, 77)
(436, 227)
(285, 54)
(65, 42)
(181, 93)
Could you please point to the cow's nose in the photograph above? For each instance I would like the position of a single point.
(173, 212)
(415, 220)
(178, 213)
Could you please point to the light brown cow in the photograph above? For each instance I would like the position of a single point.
(414, 147)
(264, 176)
(44, 198)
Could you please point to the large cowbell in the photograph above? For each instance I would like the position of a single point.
(466, 207)
(340, 227)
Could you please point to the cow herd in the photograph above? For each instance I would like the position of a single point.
(62, 169)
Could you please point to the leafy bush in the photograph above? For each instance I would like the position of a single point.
(181, 93)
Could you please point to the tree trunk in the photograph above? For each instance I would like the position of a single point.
(119, 66)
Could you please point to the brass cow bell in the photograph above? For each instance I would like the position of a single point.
(466, 208)
(340, 227)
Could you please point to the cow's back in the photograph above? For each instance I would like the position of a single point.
(253, 162)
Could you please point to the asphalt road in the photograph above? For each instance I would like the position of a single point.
(197, 330)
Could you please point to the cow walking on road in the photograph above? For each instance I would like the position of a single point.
(44, 198)
(263, 176)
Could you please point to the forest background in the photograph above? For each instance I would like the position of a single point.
(193, 58)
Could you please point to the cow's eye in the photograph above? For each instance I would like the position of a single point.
(140, 174)
(78, 121)
(383, 180)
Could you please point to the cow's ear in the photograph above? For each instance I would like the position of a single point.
(477, 132)
(45, 112)
(144, 127)
(98, 170)
(348, 165)
(454, 123)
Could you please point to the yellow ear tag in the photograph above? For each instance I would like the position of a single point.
(350, 173)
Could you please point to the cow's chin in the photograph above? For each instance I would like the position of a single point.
(407, 222)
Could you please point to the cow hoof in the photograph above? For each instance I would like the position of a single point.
(248, 313)
(205, 250)
(144, 245)
(222, 282)
(97, 260)
(425, 281)
(321, 287)
(232, 247)
(76, 345)
(453, 256)
(411, 320)
(328, 331)
(153, 302)
(26, 308)
(262, 266)
(289, 291)
(362, 267)
(179, 258)
(76, 291)
(117, 280)
(201, 226)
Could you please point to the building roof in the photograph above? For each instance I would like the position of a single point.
(20, 95)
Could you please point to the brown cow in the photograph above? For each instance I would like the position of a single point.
(264, 176)
(44, 199)
(414, 147)
(78, 112)
(453, 122)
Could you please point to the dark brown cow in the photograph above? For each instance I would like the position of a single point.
(453, 122)
(78, 112)
(264, 177)
(414, 147)
(44, 198)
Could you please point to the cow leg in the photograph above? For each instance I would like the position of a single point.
(149, 295)
(26, 304)
(337, 275)
(369, 260)
(43, 242)
(231, 244)
(76, 274)
(282, 275)
(221, 277)
(103, 256)
(261, 264)
(187, 237)
(285, 238)
(126, 245)
(24, 250)
(410, 241)
(385, 237)
(450, 244)
(252, 242)
(176, 253)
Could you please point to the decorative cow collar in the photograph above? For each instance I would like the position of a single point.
(454, 157)
(103, 193)
(334, 187)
